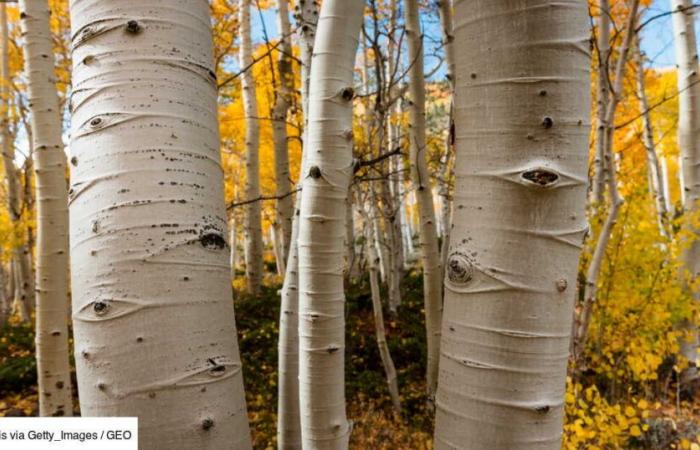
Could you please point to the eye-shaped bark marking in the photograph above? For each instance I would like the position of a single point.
(315, 172)
(347, 94)
(133, 27)
(212, 240)
(106, 309)
(541, 177)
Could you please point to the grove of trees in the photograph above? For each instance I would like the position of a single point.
(371, 224)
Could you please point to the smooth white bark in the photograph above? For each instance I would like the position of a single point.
(155, 333)
(602, 99)
(420, 177)
(288, 420)
(252, 224)
(522, 121)
(53, 367)
(322, 227)
(689, 142)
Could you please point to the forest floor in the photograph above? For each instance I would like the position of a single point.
(375, 424)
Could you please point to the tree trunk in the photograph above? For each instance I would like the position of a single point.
(233, 242)
(519, 219)
(602, 96)
(322, 227)
(23, 291)
(432, 286)
(155, 333)
(387, 362)
(689, 143)
(285, 207)
(53, 367)
(590, 287)
(288, 420)
(252, 226)
(656, 181)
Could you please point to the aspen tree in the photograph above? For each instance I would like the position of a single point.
(602, 95)
(23, 291)
(384, 354)
(654, 173)
(328, 171)
(285, 207)
(53, 367)
(155, 333)
(521, 115)
(685, 39)
(590, 287)
(432, 272)
(288, 421)
(252, 224)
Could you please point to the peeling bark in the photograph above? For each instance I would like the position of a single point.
(155, 333)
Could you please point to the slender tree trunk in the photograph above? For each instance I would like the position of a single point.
(387, 361)
(252, 226)
(147, 203)
(432, 286)
(602, 98)
(519, 221)
(351, 262)
(233, 241)
(689, 143)
(22, 270)
(277, 247)
(285, 208)
(53, 367)
(288, 420)
(590, 287)
(322, 227)
(656, 181)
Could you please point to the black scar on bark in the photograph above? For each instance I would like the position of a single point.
(212, 240)
(540, 177)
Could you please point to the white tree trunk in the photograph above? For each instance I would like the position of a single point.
(252, 225)
(387, 361)
(522, 120)
(233, 242)
(285, 208)
(24, 290)
(432, 272)
(689, 143)
(590, 287)
(155, 333)
(655, 176)
(288, 421)
(53, 367)
(326, 180)
(602, 96)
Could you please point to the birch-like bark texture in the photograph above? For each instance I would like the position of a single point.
(654, 173)
(432, 272)
(590, 287)
(522, 107)
(602, 95)
(155, 333)
(288, 421)
(689, 143)
(326, 181)
(233, 242)
(53, 367)
(285, 208)
(253, 215)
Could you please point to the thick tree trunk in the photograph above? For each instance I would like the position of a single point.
(519, 222)
(285, 207)
(689, 143)
(288, 420)
(155, 333)
(602, 99)
(322, 227)
(53, 367)
(432, 272)
(252, 225)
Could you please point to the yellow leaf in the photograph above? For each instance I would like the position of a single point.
(635, 431)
